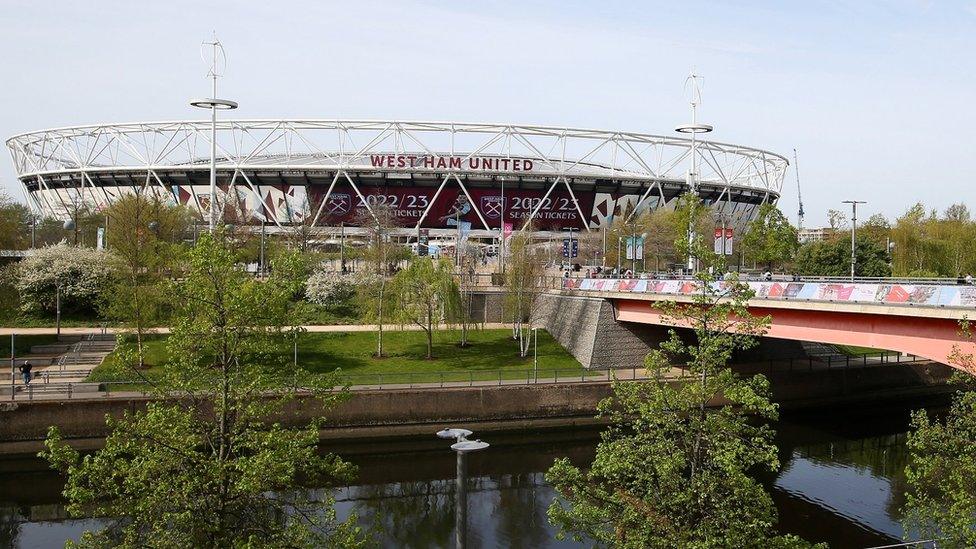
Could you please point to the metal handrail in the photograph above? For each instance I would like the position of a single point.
(531, 376)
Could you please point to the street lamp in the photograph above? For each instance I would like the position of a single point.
(853, 204)
(694, 129)
(462, 447)
(214, 104)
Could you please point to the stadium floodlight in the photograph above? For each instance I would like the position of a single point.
(214, 104)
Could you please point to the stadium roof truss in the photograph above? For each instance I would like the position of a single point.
(559, 155)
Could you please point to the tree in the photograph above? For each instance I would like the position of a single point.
(379, 253)
(426, 292)
(209, 462)
(911, 248)
(876, 229)
(833, 258)
(671, 471)
(693, 228)
(523, 280)
(145, 233)
(466, 285)
(662, 232)
(770, 238)
(80, 275)
(15, 220)
(941, 498)
(836, 220)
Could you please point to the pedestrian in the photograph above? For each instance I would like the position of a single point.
(969, 279)
(25, 370)
(767, 276)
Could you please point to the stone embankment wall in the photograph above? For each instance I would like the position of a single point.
(588, 329)
(410, 412)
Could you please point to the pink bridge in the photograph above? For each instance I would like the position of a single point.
(919, 319)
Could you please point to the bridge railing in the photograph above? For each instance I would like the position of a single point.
(887, 292)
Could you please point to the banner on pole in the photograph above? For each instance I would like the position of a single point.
(719, 241)
(728, 241)
(635, 247)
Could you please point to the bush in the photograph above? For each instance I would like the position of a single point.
(330, 289)
(83, 274)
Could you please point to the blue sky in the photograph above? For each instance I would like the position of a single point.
(876, 96)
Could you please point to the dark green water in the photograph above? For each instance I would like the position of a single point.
(841, 482)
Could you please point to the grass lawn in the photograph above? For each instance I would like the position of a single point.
(489, 352)
(854, 350)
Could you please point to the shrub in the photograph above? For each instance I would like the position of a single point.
(330, 289)
(83, 274)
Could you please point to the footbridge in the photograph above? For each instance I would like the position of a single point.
(921, 319)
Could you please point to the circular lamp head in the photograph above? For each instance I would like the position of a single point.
(693, 128)
(466, 446)
(212, 102)
(456, 434)
(153, 226)
(69, 225)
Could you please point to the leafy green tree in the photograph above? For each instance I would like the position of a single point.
(833, 258)
(15, 219)
(523, 281)
(426, 292)
(941, 498)
(770, 238)
(380, 255)
(210, 462)
(673, 471)
(144, 236)
(876, 229)
(911, 252)
(690, 212)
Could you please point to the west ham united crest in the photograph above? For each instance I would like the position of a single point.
(339, 203)
(491, 206)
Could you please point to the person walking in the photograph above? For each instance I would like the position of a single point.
(25, 371)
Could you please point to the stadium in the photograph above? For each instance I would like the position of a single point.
(484, 179)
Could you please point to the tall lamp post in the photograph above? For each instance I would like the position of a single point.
(462, 447)
(694, 129)
(853, 204)
(214, 104)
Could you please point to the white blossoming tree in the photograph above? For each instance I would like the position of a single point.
(82, 274)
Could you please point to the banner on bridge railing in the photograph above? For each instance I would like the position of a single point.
(895, 294)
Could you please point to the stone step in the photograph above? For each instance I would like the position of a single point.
(74, 338)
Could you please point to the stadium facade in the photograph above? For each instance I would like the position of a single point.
(433, 175)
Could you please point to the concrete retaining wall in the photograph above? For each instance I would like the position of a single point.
(389, 413)
(588, 329)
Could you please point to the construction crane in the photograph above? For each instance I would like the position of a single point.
(799, 197)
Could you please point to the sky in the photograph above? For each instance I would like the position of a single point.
(875, 96)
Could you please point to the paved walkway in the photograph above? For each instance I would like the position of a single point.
(312, 328)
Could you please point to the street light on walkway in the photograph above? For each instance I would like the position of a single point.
(853, 204)
(214, 104)
(694, 129)
(462, 447)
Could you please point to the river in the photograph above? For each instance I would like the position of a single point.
(841, 482)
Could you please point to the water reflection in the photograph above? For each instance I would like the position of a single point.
(841, 482)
